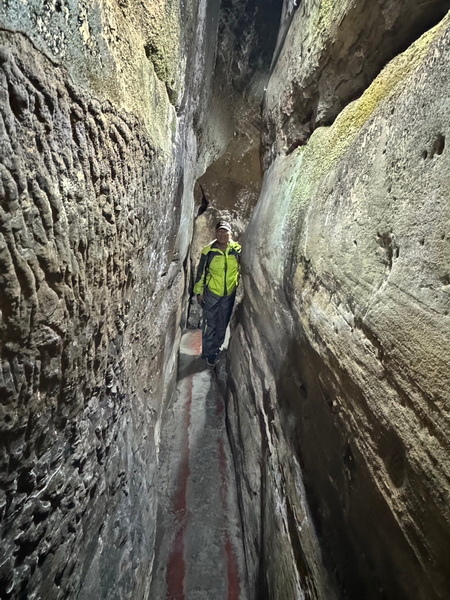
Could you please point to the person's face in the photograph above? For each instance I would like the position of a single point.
(223, 236)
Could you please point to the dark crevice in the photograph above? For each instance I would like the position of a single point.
(204, 202)
(438, 146)
(301, 560)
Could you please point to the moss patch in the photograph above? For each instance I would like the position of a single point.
(326, 13)
(327, 145)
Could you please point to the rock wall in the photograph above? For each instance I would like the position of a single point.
(96, 178)
(331, 53)
(339, 363)
(339, 401)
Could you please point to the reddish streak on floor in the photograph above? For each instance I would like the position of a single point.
(220, 407)
(234, 586)
(176, 569)
(196, 342)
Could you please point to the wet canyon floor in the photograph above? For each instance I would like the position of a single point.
(199, 552)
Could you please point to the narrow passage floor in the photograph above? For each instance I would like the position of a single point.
(199, 554)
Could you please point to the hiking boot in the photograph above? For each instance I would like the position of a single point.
(211, 361)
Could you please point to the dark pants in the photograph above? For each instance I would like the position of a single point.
(216, 316)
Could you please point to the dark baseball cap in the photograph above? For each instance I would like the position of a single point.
(223, 225)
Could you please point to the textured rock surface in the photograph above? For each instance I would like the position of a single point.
(95, 222)
(332, 52)
(128, 52)
(343, 345)
(339, 403)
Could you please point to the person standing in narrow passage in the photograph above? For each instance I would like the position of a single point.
(215, 288)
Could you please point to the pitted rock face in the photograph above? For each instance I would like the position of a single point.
(75, 229)
(97, 159)
(127, 52)
(93, 235)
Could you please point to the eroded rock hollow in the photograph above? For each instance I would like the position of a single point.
(127, 128)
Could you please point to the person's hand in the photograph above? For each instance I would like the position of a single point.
(200, 299)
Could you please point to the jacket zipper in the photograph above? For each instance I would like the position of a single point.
(225, 274)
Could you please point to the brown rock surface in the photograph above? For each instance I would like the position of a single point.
(229, 165)
(339, 402)
(340, 363)
(96, 179)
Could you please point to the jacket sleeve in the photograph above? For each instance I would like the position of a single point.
(200, 279)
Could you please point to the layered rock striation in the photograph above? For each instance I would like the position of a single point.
(339, 393)
(328, 57)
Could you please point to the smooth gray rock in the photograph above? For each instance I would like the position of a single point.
(339, 365)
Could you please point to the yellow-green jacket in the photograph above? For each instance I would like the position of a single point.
(218, 270)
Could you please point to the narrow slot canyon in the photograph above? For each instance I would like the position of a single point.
(199, 549)
(312, 461)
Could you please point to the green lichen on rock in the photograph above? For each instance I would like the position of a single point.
(163, 46)
(328, 144)
(163, 55)
(157, 57)
(349, 123)
(128, 53)
(326, 12)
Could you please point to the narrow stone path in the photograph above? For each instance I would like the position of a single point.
(199, 554)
